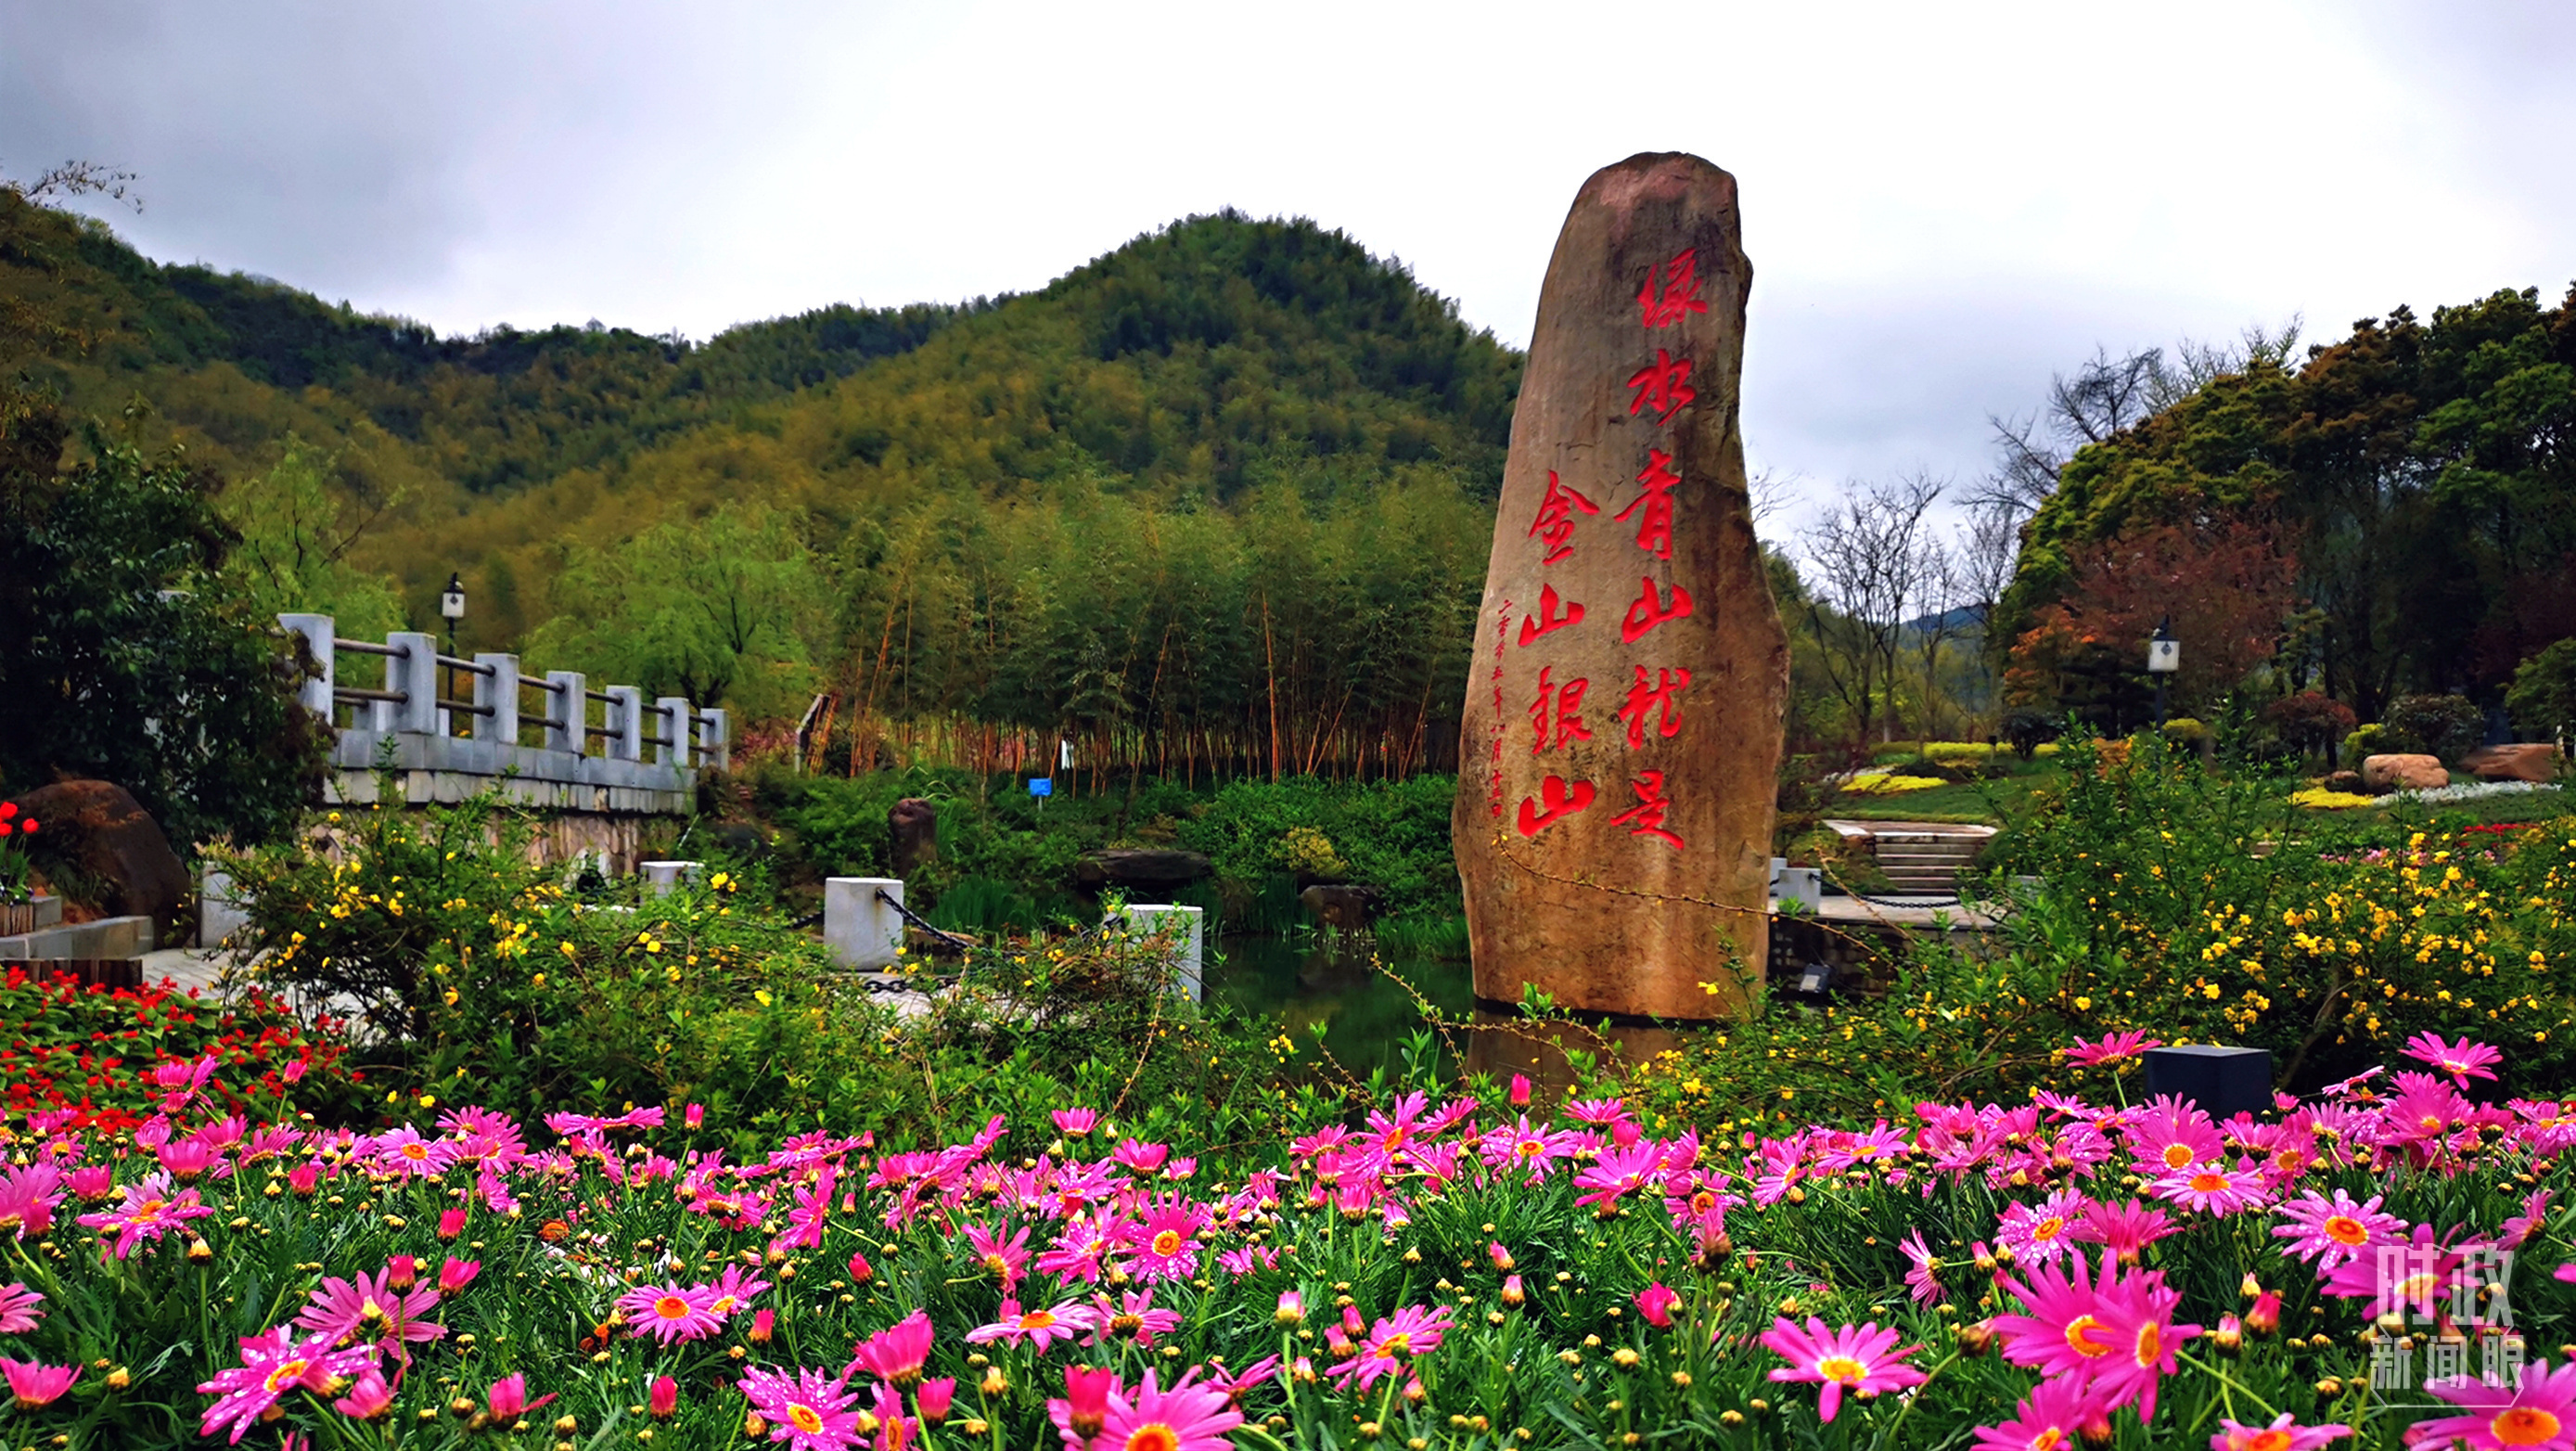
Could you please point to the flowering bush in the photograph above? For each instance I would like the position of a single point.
(108, 1057)
(483, 976)
(14, 831)
(1433, 1272)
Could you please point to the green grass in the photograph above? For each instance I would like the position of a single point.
(1973, 803)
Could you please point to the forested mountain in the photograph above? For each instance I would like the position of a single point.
(2418, 480)
(1241, 459)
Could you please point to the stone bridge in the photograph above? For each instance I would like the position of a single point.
(442, 728)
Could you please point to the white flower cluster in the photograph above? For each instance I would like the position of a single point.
(2473, 791)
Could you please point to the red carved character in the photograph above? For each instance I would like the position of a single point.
(1561, 801)
(1562, 703)
(1655, 529)
(1555, 521)
(1661, 386)
(1654, 702)
(1644, 613)
(1547, 619)
(1680, 294)
(1646, 818)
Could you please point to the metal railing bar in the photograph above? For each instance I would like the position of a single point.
(364, 647)
(352, 692)
(463, 707)
(471, 667)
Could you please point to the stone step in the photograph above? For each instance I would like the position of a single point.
(1925, 854)
(108, 937)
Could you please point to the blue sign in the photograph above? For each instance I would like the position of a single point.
(1042, 785)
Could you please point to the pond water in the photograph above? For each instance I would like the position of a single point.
(1309, 978)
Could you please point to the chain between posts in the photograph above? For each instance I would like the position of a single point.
(962, 944)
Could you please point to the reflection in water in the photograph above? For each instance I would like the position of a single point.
(1334, 980)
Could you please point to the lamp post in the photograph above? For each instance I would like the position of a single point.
(451, 605)
(2164, 657)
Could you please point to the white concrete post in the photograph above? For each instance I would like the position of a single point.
(571, 708)
(315, 631)
(218, 914)
(857, 928)
(499, 693)
(1804, 886)
(661, 877)
(715, 744)
(625, 722)
(416, 670)
(674, 716)
(1186, 924)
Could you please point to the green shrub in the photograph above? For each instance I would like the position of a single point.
(2448, 726)
(2542, 699)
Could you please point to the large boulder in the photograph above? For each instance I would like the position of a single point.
(101, 833)
(2404, 773)
(1137, 866)
(2535, 762)
(912, 831)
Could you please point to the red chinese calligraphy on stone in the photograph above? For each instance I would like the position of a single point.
(1661, 386)
(1555, 521)
(1654, 703)
(1680, 294)
(1560, 801)
(1502, 638)
(1645, 613)
(1655, 529)
(1546, 619)
(1646, 818)
(1560, 705)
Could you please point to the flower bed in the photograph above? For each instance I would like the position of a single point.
(1436, 1273)
(106, 1056)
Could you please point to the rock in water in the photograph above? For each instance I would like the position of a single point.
(1621, 747)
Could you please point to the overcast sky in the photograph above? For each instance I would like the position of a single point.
(1944, 204)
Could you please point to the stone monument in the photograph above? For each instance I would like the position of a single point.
(1621, 744)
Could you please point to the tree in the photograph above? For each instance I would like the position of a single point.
(294, 533)
(122, 657)
(2227, 590)
(720, 609)
(1873, 564)
(2543, 698)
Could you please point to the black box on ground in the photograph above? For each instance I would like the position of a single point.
(2223, 1081)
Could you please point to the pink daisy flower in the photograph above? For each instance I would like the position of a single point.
(809, 1413)
(273, 1365)
(1181, 1417)
(2111, 1048)
(368, 1309)
(2172, 1137)
(1163, 1247)
(2284, 1434)
(2038, 1234)
(2462, 1060)
(1923, 1268)
(1132, 1318)
(895, 1354)
(1038, 1328)
(148, 1211)
(1860, 1359)
(2330, 1232)
(671, 1312)
(18, 1312)
(2123, 1229)
(2212, 1189)
(1075, 1122)
(1084, 1410)
(33, 1384)
(2540, 1411)
(2051, 1418)
(1004, 1259)
(1392, 1344)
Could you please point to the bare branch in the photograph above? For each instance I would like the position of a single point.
(77, 179)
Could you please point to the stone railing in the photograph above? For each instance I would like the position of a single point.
(411, 723)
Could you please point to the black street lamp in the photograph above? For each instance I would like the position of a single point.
(2164, 657)
(451, 605)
